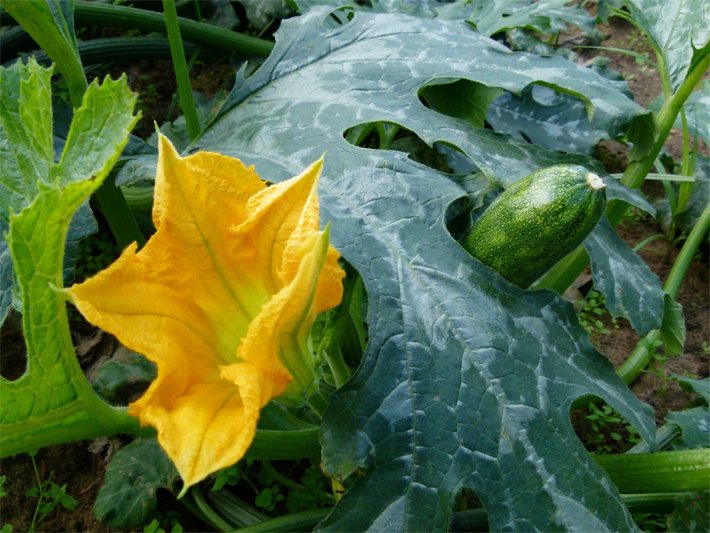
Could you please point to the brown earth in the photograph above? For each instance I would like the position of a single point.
(81, 466)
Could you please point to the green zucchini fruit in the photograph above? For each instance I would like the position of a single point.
(537, 221)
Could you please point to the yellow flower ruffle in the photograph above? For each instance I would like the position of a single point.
(221, 299)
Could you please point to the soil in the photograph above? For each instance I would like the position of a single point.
(81, 465)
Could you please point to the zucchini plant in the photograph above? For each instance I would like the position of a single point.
(440, 378)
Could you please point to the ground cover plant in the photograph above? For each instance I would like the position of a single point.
(306, 341)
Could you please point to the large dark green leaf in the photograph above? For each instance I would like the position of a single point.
(632, 291)
(493, 16)
(550, 120)
(467, 380)
(676, 28)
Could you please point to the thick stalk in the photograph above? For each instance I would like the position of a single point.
(213, 517)
(642, 354)
(113, 16)
(114, 207)
(275, 445)
(562, 275)
(303, 521)
(665, 434)
(187, 103)
(660, 472)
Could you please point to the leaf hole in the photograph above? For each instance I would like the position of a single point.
(459, 98)
(13, 355)
(602, 429)
(469, 512)
(391, 136)
(339, 17)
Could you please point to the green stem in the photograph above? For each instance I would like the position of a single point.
(273, 445)
(114, 207)
(648, 473)
(286, 482)
(113, 16)
(665, 434)
(234, 510)
(387, 133)
(333, 351)
(642, 354)
(187, 103)
(562, 275)
(303, 521)
(40, 492)
(212, 517)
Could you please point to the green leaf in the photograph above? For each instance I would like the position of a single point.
(673, 327)
(694, 427)
(7, 279)
(691, 513)
(125, 374)
(697, 112)
(548, 119)
(98, 127)
(675, 28)
(420, 8)
(51, 24)
(467, 381)
(27, 154)
(127, 498)
(700, 387)
(52, 402)
(694, 423)
(632, 291)
(25, 139)
(494, 16)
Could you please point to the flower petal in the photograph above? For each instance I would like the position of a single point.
(212, 424)
(221, 298)
(280, 330)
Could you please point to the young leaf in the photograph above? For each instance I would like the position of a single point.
(51, 25)
(53, 396)
(127, 498)
(466, 381)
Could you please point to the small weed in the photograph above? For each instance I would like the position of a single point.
(6, 528)
(49, 496)
(592, 312)
(227, 476)
(156, 527)
(633, 216)
(609, 430)
(94, 254)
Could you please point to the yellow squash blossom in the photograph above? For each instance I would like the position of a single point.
(221, 299)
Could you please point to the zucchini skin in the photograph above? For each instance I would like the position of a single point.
(537, 221)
